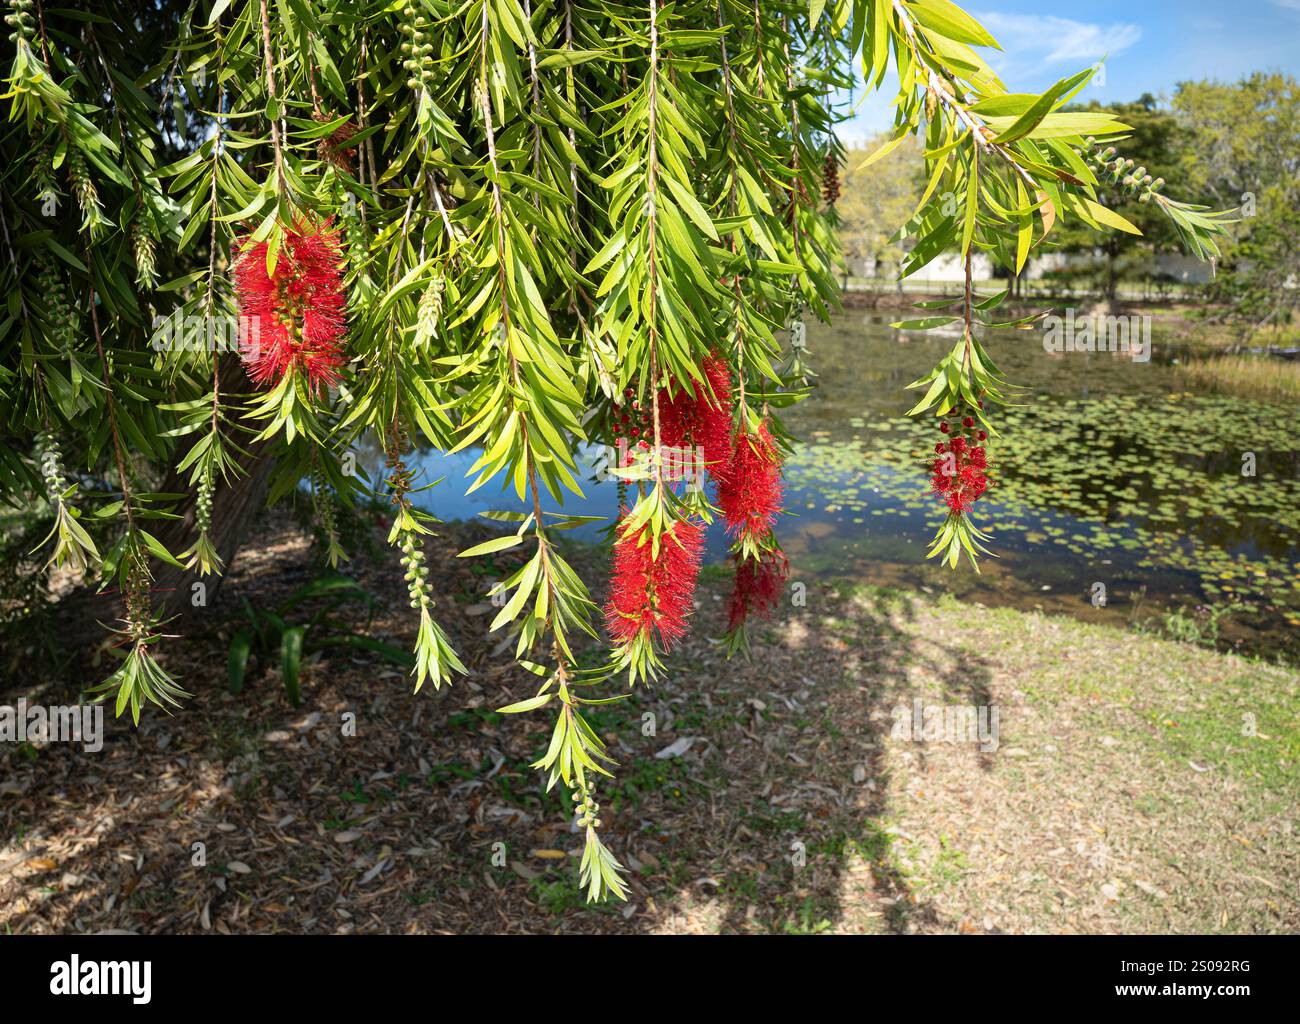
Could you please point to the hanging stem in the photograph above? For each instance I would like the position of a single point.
(269, 60)
(652, 272)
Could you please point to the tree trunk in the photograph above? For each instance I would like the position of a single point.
(234, 507)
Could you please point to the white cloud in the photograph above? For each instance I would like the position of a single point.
(1048, 39)
(1287, 5)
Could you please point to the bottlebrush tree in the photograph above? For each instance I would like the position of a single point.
(240, 236)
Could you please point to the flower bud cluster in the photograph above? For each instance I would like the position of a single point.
(417, 49)
(1120, 172)
(51, 459)
(21, 20)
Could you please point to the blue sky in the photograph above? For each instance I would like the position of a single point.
(1148, 46)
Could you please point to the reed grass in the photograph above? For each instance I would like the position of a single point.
(1250, 376)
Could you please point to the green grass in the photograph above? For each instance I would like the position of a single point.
(1245, 727)
(557, 896)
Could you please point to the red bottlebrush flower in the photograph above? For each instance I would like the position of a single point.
(959, 475)
(296, 318)
(698, 415)
(757, 588)
(650, 595)
(749, 493)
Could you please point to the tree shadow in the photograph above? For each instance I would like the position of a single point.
(871, 663)
(426, 815)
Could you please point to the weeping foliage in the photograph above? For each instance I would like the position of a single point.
(497, 225)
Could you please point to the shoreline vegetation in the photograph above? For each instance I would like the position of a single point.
(1254, 376)
(1211, 355)
(1137, 785)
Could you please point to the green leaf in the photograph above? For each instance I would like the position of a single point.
(1041, 107)
(160, 552)
(531, 704)
(972, 207)
(693, 209)
(925, 324)
(495, 544)
(290, 661)
(1024, 226)
(882, 151)
(951, 21)
(1108, 217)
(218, 9)
(241, 645)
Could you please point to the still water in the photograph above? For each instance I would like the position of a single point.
(1108, 471)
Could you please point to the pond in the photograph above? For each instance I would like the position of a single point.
(1109, 471)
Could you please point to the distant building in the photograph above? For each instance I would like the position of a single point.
(948, 269)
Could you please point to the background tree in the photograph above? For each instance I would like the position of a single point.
(1245, 152)
(874, 201)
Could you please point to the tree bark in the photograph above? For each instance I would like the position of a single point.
(234, 507)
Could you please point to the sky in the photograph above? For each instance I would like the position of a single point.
(1147, 46)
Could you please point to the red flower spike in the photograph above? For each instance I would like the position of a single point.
(960, 477)
(699, 414)
(650, 595)
(757, 588)
(297, 318)
(749, 493)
